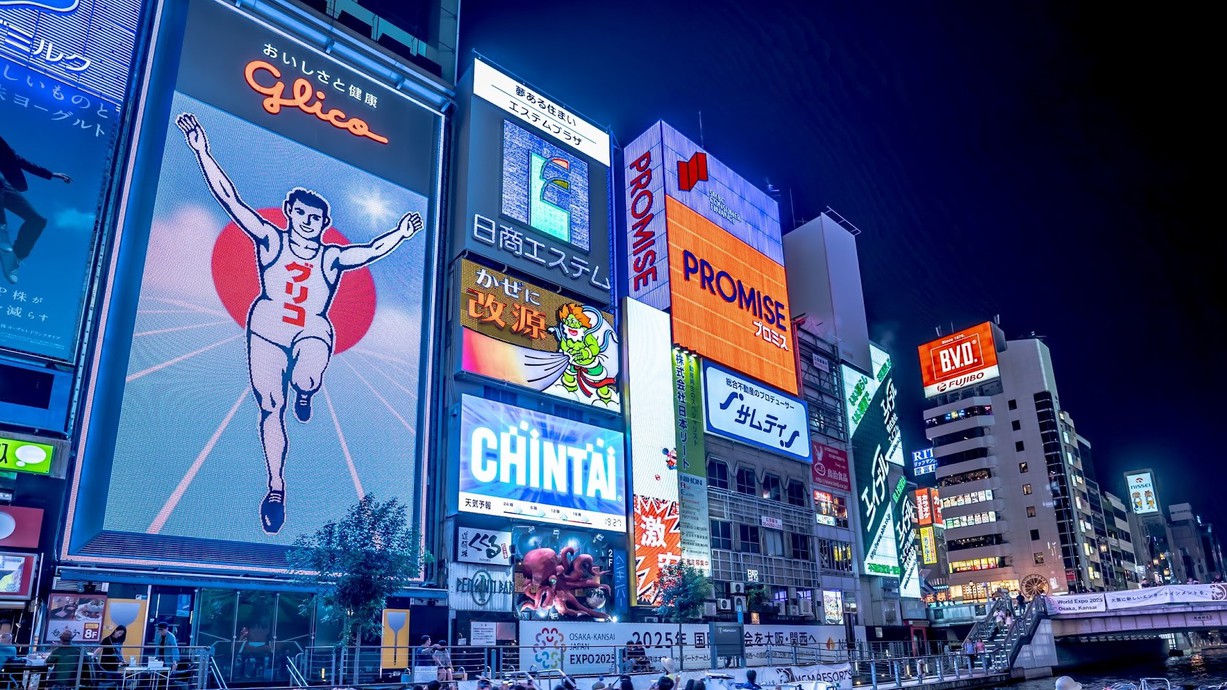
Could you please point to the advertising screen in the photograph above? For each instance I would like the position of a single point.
(923, 462)
(691, 460)
(905, 541)
(543, 207)
(871, 403)
(924, 507)
(20, 455)
(963, 359)
(928, 546)
(832, 607)
(662, 162)
(79, 614)
(653, 429)
(18, 571)
(1142, 494)
(526, 465)
(274, 354)
(65, 82)
(482, 546)
(743, 410)
(518, 332)
(729, 303)
(570, 575)
(830, 467)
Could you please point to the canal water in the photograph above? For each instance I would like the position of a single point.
(1205, 667)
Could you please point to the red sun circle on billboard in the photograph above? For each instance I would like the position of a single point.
(236, 277)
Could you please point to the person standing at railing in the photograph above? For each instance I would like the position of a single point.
(8, 651)
(165, 646)
(64, 662)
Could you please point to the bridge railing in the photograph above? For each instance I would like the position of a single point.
(1100, 602)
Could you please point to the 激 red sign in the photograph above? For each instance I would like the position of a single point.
(831, 467)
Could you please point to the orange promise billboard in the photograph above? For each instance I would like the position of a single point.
(729, 302)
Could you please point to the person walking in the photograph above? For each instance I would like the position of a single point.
(969, 650)
(979, 650)
(1022, 603)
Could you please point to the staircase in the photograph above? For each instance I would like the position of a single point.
(1001, 648)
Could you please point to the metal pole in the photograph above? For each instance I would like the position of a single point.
(894, 665)
(873, 669)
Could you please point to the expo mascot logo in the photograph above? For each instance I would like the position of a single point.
(548, 647)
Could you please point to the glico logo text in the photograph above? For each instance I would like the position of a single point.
(643, 210)
(305, 98)
(733, 290)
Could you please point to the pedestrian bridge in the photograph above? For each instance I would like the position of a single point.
(1174, 608)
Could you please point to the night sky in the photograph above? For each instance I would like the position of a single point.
(1048, 163)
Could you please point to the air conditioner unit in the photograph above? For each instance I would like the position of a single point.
(709, 608)
(739, 604)
(794, 610)
(806, 606)
(737, 588)
(724, 604)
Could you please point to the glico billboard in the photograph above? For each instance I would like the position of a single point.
(705, 244)
(65, 83)
(532, 184)
(526, 465)
(1141, 490)
(262, 367)
(967, 358)
(874, 422)
(515, 331)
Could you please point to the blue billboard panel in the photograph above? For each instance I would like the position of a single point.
(747, 411)
(63, 80)
(270, 361)
(527, 465)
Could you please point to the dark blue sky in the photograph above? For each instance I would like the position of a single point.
(1050, 163)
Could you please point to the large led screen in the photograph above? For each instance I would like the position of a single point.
(570, 575)
(960, 360)
(273, 365)
(515, 331)
(526, 465)
(532, 185)
(876, 433)
(64, 83)
(1141, 490)
(653, 431)
(730, 303)
(905, 540)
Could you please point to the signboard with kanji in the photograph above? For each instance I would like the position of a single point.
(524, 334)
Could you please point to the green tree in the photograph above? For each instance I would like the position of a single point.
(354, 564)
(682, 591)
(758, 598)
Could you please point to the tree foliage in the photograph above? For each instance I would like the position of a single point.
(682, 590)
(356, 563)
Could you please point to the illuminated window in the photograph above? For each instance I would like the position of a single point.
(831, 509)
(746, 482)
(835, 555)
(1026, 489)
(1023, 468)
(975, 564)
(969, 520)
(717, 474)
(968, 498)
(964, 477)
(1039, 558)
(721, 535)
(1030, 511)
(772, 488)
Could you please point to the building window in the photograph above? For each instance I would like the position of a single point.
(1039, 558)
(721, 535)
(1030, 511)
(801, 547)
(746, 483)
(1013, 404)
(1023, 468)
(976, 564)
(717, 474)
(796, 494)
(967, 499)
(771, 488)
(1018, 446)
(1016, 425)
(835, 555)
(969, 520)
(964, 477)
(831, 509)
(1026, 489)
(773, 543)
(747, 538)
(956, 415)
(1035, 535)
